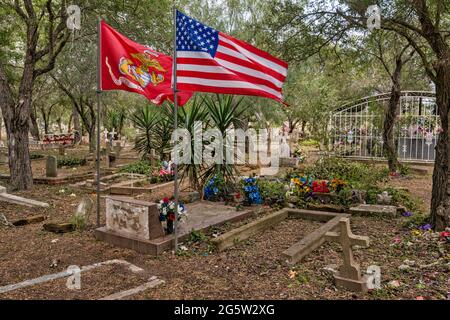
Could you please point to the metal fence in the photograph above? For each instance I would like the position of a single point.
(356, 128)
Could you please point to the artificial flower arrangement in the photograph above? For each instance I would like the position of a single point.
(166, 209)
(299, 155)
(166, 173)
(300, 187)
(213, 189)
(251, 191)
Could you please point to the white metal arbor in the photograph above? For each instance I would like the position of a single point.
(356, 128)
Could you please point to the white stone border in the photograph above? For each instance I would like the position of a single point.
(67, 273)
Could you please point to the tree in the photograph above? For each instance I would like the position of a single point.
(41, 31)
(423, 24)
(393, 55)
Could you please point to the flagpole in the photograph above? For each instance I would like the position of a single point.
(175, 124)
(99, 91)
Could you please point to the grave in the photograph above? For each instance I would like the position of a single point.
(375, 209)
(297, 251)
(289, 162)
(51, 167)
(137, 228)
(71, 273)
(133, 218)
(349, 274)
(136, 187)
(106, 182)
(4, 196)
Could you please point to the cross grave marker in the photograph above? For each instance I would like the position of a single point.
(349, 275)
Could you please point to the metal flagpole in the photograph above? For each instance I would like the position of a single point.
(99, 91)
(175, 124)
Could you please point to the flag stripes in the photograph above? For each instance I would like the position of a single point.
(211, 61)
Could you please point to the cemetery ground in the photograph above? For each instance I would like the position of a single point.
(414, 263)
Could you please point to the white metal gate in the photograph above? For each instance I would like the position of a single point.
(356, 128)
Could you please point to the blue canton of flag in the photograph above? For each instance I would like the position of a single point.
(194, 36)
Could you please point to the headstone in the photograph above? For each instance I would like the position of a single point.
(349, 274)
(117, 148)
(375, 209)
(51, 167)
(288, 162)
(84, 208)
(62, 150)
(133, 218)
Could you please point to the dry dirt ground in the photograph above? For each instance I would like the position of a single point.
(250, 270)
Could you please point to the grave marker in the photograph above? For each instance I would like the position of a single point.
(51, 167)
(133, 218)
(349, 275)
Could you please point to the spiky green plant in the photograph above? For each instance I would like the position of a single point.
(191, 117)
(225, 112)
(145, 120)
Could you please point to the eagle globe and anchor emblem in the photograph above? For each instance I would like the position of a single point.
(148, 70)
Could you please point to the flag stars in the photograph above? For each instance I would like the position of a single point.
(194, 36)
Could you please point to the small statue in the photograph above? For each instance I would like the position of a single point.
(384, 198)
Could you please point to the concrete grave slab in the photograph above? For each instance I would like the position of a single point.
(374, 209)
(201, 216)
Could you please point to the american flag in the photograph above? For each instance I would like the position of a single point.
(211, 61)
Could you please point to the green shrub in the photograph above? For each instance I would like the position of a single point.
(273, 193)
(34, 156)
(71, 162)
(139, 167)
(310, 143)
(359, 175)
(79, 221)
(399, 198)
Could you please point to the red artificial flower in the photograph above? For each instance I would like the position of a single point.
(238, 195)
(445, 235)
(166, 200)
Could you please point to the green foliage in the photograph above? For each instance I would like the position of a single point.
(399, 197)
(273, 193)
(34, 156)
(310, 143)
(71, 162)
(79, 221)
(140, 167)
(145, 120)
(225, 112)
(191, 117)
(359, 175)
(197, 236)
(416, 220)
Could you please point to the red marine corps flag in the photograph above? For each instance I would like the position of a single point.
(130, 66)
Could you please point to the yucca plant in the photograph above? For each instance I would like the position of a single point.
(225, 112)
(190, 117)
(145, 120)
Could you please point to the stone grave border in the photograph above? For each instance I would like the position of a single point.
(297, 251)
(157, 246)
(73, 178)
(125, 188)
(152, 282)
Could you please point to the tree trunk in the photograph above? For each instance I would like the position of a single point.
(390, 117)
(34, 128)
(76, 119)
(440, 201)
(92, 138)
(19, 157)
